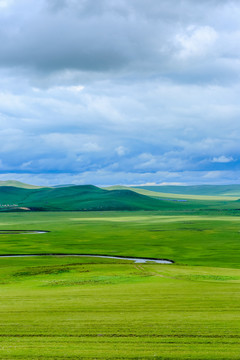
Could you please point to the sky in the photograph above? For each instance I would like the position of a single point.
(120, 91)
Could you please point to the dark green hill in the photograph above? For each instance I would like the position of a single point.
(76, 198)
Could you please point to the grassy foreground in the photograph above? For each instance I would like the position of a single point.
(85, 308)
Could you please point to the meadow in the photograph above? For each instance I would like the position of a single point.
(92, 308)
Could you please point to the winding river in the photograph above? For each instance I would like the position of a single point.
(13, 232)
(135, 259)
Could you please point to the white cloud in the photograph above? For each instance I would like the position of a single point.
(74, 88)
(121, 150)
(222, 159)
(196, 41)
(73, 143)
(104, 177)
(131, 92)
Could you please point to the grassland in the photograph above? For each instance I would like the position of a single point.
(85, 308)
(76, 198)
(204, 190)
(158, 192)
(92, 198)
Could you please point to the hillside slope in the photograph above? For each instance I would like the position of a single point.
(210, 190)
(19, 184)
(74, 198)
(177, 197)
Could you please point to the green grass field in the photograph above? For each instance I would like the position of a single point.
(90, 308)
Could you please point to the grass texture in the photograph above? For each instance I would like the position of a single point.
(92, 308)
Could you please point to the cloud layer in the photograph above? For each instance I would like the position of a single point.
(126, 92)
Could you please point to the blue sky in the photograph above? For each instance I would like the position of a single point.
(120, 91)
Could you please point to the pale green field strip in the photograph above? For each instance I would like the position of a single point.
(19, 184)
(174, 196)
(157, 218)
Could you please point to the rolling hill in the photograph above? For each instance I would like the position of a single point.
(209, 190)
(92, 198)
(155, 193)
(76, 198)
(19, 184)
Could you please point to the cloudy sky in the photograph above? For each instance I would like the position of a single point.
(120, 91)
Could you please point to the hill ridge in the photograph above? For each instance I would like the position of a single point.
(74, 198)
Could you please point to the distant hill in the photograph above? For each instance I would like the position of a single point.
(176, 196)
(164, 190)
(210, 190)
(76, 198)
(64, 185)
(19, 184)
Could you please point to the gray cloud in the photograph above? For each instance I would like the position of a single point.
(119, 91)
(169, 38)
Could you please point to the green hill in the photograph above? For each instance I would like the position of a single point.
(173, 196)
(19, 184)
(74, 198)
(92, 198)
(209, 190)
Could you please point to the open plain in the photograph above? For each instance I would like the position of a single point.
(94, 308)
